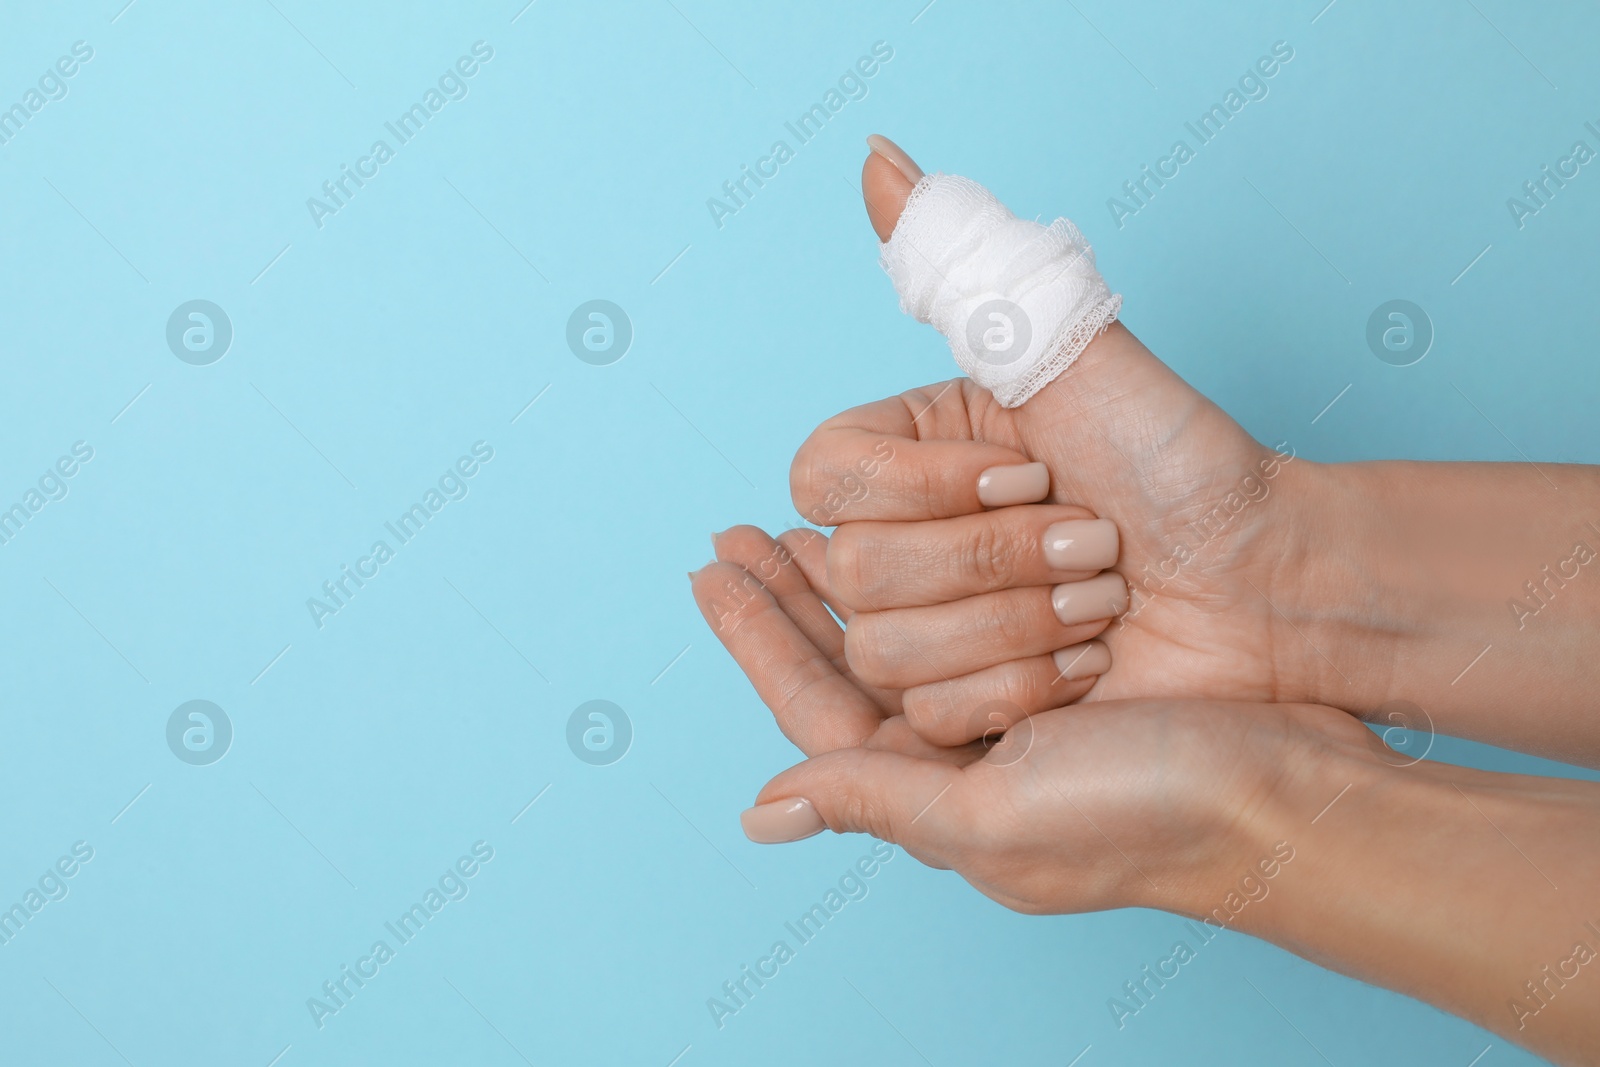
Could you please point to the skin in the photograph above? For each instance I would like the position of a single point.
(1365, 583)
(1437, 881)
(1256, 575)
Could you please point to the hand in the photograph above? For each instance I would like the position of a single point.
(1211, 530)
(1198, 622)
(1293, 823)
(1150, 803)
(1252, 574)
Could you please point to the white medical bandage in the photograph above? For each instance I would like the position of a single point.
(1018, 301)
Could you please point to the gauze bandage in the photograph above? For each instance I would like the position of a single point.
(1017, 300)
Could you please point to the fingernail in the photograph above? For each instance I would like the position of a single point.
(903, 163)
(1081, 544)
(697, 570)
(714, 537)
(780, 821)
(1102, 597)
(1082, 661)
(1017, 483)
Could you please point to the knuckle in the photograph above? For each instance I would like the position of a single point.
(991, 555)
(1028, 687)
(857, 812)
(1016, 688)
(845, 564)
(1003, 617)
(928, 486)
(966, 709)
(825, 486)
(804, 479)
(793, 684)
(860, 809)
(864, 650)
(924, 708)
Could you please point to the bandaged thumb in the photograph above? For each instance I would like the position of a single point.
(1017, 300)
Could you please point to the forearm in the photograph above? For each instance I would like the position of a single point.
(1476, 892)
(1469, 589)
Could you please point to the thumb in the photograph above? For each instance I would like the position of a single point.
(920, 804)
(1116, 385)
(887, 178)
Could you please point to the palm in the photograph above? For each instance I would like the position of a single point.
(1091, 808)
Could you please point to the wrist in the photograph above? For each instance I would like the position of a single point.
(1346, 597)
(1391, 581)
(1437, 881)
(1308, 762)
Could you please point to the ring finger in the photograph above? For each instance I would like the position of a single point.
(904, 647)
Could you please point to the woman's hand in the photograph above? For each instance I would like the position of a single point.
(1150, 803)
(1252, 574)
(927, 570)
(1292, 823)
(1215, 545)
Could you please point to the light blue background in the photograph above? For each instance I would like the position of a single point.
(377, 349)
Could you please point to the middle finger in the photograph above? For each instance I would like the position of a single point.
(880, 565)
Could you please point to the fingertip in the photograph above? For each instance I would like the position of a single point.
(1011, 484)
(742, 544)
(1103, 597)
(724, 592)
(895, 797)
(778, 822)
(884, 189)
(896, 155)
(1082, 544)
(1080, 662)
(700, 580)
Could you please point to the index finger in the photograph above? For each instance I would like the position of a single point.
(815, 706)
(907, 458)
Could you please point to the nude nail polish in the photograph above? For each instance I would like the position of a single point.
(1082, 661)
(1081, 544)
(1017, 483)
(781, 821)
(1104, 596)
(896, 155)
